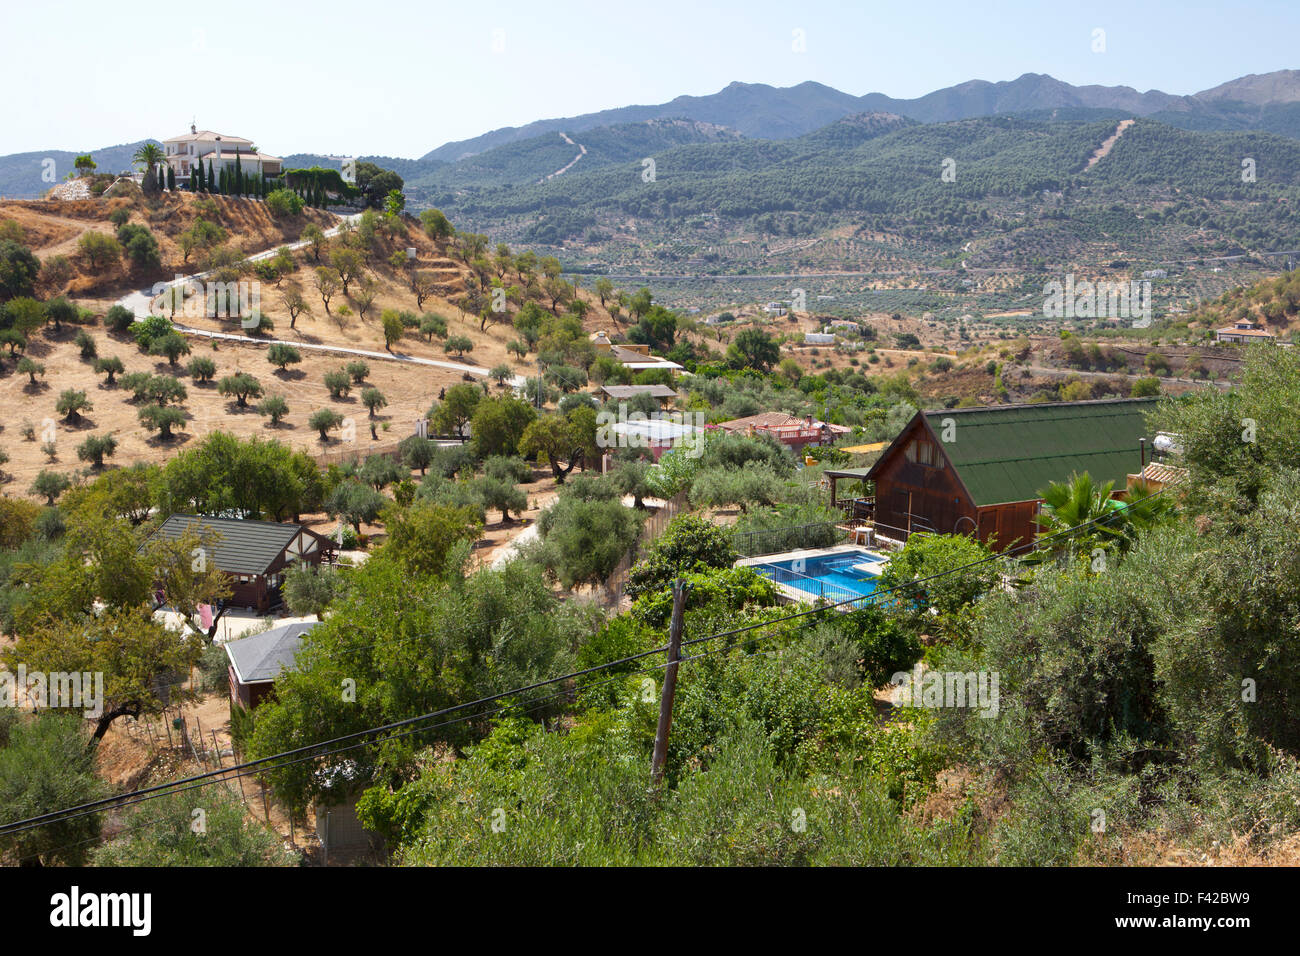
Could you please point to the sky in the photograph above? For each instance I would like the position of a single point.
(387, 78)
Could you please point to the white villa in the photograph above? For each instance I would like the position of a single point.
(186, 151)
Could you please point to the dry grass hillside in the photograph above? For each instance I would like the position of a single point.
(391, 261)
(36, 436)
(53, 228)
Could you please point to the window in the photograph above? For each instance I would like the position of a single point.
(923, 453)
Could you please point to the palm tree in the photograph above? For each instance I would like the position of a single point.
(1103, 521)
(150, 155)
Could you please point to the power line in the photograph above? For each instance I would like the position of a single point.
(20, 825)
(312, 751)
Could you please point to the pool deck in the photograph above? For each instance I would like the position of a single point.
(808, 553)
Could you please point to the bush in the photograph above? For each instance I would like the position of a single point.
(689, 543)
(284, 203)
(86, 344)
(202, 369)
(150, 328)
(282, 356)
(275, 407)
(338, 383)
(119, 318)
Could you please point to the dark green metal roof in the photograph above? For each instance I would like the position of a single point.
(244, 546)
(1012, 452)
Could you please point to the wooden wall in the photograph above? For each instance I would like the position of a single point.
(938, 501)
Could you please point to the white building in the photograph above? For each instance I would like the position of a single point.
(1244, 332)
(186, 151)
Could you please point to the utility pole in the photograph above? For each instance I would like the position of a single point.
(670, 681)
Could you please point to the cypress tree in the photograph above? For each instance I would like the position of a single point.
(196, 177)
(171, 178)
(162, 180)
(239, 176)
(210, 183)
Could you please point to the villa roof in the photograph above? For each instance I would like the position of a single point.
(1234, 330)
(207, 136)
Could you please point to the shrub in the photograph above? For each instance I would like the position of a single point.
(689, 543)
(202, 369)
(150, 328)
(338, 383)
(282, 356)
(86, 344)
(275, 407)
(119, 318)
(284, 203)
(171, 344)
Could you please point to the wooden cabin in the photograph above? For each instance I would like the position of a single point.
(256, 662)
(254, 554)
(980, 470)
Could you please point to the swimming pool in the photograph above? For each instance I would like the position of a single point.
(841, 575)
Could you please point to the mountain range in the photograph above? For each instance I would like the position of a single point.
(1269, 102)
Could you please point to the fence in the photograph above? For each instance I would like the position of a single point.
(356, 454)
(654, 526)
(818, 534)
(817, 587)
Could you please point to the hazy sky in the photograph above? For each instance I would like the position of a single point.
(398, 79)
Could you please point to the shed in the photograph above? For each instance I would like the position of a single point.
(661, 392)
(256, 661)
(980, 470)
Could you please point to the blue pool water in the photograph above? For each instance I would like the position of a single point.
(830, 576)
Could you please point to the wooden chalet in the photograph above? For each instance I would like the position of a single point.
(254, 554)
(979, 470)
